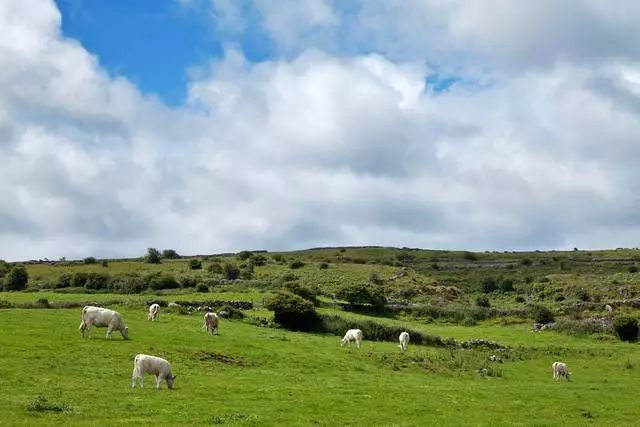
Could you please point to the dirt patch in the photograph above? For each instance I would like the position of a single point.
(207, 356)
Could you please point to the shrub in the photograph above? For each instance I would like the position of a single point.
(259, 260)
(187, 281)
(374, 278)
(542, 314)
(302, 291)
(246, 270)
(244, 255)
(469, 256)
(526, 262)
(128, 284)
(483, 301)
(278, 258)
(230, 271)
(488, 285)
(97, 281)
(323, 265)
(215, 268)
(170, 254)
(202, 288)
(288, 277)
(362, 294)
(633, 269)
(195, 264)
(4, 268)
(506, 285)
(230, 312)
(90, 260)
(105, 263)
(153, 256)
(404, 258)
(583, 294)
(626, 327)
(292, 311)
(163, 281)
(296, 264)
(16, 279)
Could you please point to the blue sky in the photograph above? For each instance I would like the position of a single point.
(155, 43)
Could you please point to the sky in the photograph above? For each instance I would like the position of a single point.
(211, 126)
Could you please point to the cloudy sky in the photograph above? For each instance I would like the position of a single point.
(220, 125)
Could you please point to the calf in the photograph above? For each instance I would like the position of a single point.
(154, 311)
(102, 318)
(560, 370)
(211, 322)
(145, 364)
(352, 335)
(404, 340)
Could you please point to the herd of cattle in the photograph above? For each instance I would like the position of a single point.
(146, 364)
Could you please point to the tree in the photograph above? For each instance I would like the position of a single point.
(16, 279)
(153, 256)
(170, 254)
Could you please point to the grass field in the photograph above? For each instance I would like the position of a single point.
(260, 376)
(263, 376)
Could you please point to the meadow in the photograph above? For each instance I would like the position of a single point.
(258, 374)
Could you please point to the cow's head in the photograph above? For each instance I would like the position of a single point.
(169, 379)
(125, 332)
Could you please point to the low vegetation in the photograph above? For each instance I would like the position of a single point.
(481, 326)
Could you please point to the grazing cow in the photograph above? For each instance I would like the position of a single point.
(145, 364)
(560, 370)
(174, 305)
(154, 311)
(608, 308)
(352, 335)
(211, 322)
(404, 340)
(102, 318)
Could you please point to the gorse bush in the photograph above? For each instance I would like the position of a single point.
(292, 311)
(296, 264)
(16, 279)
(483, 301)
(362, 294)
(626, 327)
(302, 291)
(163, 281)
(230, 271)
(542, 314)
(195, 264)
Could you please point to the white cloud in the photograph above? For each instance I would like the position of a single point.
(325, 149)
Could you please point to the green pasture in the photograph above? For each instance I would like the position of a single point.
(250, 375)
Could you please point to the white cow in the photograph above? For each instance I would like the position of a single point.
(174, 305)
(560, 370)
(404, 340)
(145, 364)
(211, 322)
(102, 318)
(154, 311)
(352, 335)
(608, 308)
